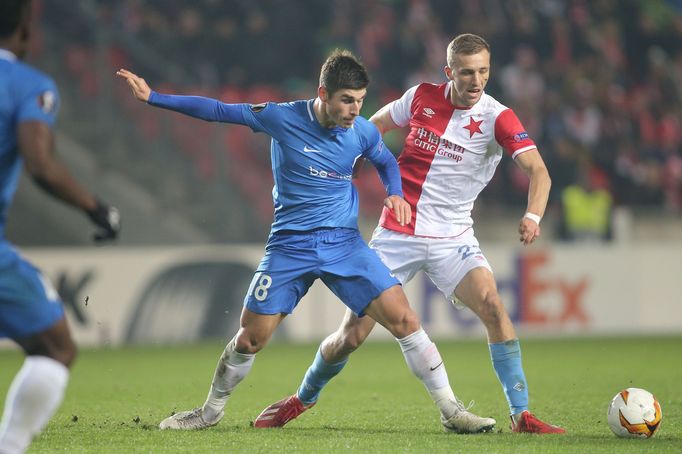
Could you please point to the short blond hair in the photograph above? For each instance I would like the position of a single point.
(466, 44)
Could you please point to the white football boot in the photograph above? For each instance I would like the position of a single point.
(465, 422)
(189, 420)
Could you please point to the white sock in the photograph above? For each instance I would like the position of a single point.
(445, 400)
(425, 362)
(33, 397)
(231, 369)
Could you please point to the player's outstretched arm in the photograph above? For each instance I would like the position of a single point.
(538, 193)
(36, 143)
(195, 106)
(139, 87)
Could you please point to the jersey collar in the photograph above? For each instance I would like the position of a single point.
(7, 55)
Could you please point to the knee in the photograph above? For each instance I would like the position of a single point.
(249, 344)
(351, 342)
(492, 312)
(348, 342)
(340, 344)
(408, 324)
(69, 355)
(65, 353)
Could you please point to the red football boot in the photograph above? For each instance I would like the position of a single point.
(280, 413)
(528, 423)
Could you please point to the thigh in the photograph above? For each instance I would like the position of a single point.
(29, 304)
(355, 273)
(451, 259)
(403, 254)
(473, 289)
(283, 277)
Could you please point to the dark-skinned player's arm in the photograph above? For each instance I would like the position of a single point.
(36, 144)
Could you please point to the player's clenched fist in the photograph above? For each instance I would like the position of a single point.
(137, 84)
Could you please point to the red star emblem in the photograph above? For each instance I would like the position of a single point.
(474, 127)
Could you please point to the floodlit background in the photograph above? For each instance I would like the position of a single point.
(597, 84)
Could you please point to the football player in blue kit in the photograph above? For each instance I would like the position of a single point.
(31, 312)
(315, 144)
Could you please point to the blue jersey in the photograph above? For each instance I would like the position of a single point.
(25, 94)
(312, 165)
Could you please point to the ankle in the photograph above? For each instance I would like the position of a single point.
(516, 417)
(211, 410)
(446, 401)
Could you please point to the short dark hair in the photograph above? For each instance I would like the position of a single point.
(466, 44)
(12, 12)
(342, 70)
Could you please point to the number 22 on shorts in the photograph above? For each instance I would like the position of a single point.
(468, 251)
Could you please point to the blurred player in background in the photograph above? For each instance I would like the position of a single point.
(31, 313)
(315, 144)
(456, 140)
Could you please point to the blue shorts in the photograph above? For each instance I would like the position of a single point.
(28, 302)
(293, 261)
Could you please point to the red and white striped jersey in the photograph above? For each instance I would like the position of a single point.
(449, 156)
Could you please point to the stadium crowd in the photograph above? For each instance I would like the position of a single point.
(598, 84)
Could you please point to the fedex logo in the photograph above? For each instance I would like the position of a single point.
(533, 295)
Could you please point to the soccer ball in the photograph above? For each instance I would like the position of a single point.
(634, 413)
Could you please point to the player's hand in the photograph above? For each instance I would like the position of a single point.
(137, 84)
(528, 230)
(108, 219)
(401, 209)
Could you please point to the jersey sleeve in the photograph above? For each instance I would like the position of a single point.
(511, 135)
(371, 141)
(39, 103)
(384, 161)
(401, 109)
(259, 117)
(207, 109)
(265, 117)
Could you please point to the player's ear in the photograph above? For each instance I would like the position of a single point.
(323, 94)
(448, 72)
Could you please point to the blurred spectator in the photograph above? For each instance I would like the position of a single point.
(586, 207)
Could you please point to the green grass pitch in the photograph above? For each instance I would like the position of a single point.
(117, 397)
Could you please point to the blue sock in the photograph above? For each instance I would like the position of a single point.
(317, 376)
(506, 358)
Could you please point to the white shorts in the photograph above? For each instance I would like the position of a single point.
(444, 260)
